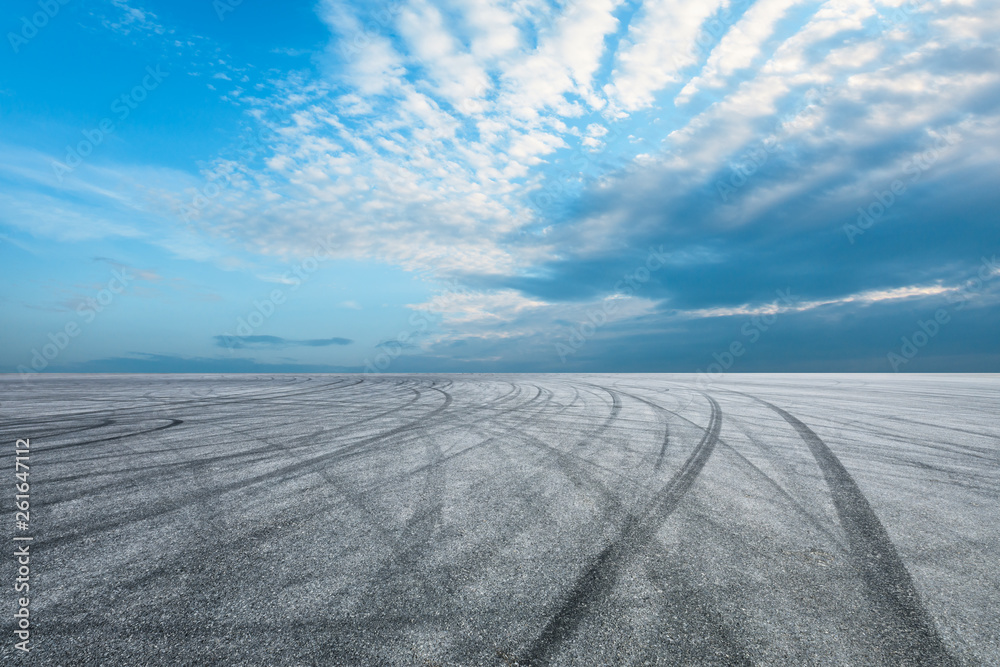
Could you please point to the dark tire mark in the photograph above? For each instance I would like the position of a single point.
(637, 531)
(173, 423)
(300, 467)
(616, 408)
(576, 468)
(40, 435)
(666, 429)
(663, 447)
(910, 636)
(807, 515)
(138, 411)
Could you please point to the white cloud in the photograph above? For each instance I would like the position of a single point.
(741, 45)
(660, 43)
(132, 18)
(430, 128)
(455, 75)
(867, 297)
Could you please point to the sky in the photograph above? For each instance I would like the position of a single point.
(499, 186)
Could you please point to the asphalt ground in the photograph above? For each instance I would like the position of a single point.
(505, 520)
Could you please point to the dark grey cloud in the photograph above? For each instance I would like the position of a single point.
(240, 342)
(845, 337)
(935, 231)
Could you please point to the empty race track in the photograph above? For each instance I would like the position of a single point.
(507, 520)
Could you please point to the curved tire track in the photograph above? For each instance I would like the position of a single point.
(909, 636)
(638, 530)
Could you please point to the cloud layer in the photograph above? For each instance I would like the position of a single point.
(535, 152)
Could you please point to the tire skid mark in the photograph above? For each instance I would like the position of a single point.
(813, 520)
(131, 484)
(340, 427)
(473, 424)
(637, 530)
(911, 637)
(948, 428)
(436, 459)
(135, 411)
(152, 472)
(173, 423)
(166, 450)
(676, 411)
(133, 414)
(358, 447)
(658, 409)
(49, 435)
(432, 498)
(186, 463)
(581, 464)
(576, 398)
(874, 427)
(194, 558)
(616, 408)
(466, 421)
(489, 436)
(265, 395)
(457, 424)
(664, 446)
(290, 447)
(189, 561)
(416, 539)
(416, 536)
(144, 407)
(401, 610)
(809, 516)
(282, 474)
(577, 468)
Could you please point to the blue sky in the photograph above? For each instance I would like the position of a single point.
(490, 185)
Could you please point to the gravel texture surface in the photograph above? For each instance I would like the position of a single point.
(507, 519)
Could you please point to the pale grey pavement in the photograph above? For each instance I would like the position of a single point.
(507, 520)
